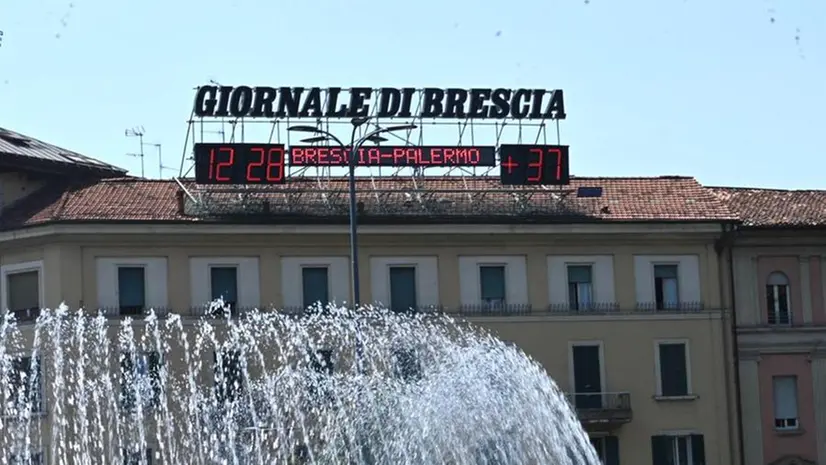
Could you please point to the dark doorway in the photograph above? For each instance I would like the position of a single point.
(587, 376)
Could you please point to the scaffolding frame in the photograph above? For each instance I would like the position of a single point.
(382, 192)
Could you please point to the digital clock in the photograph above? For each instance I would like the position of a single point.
(538, 165)
(239, 163)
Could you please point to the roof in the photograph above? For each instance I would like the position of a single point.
(131, 199)
(20, 150)
(761, 208)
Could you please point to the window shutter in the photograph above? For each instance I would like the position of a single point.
(698, 449)
(660, 450)
(785, 397)
(611, 450)
(673, 370)
(492, 282)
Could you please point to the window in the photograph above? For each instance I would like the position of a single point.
(140, 378)
(25, 386)
(672, 364)
(407, 365)
(666, 289)
(315, 283)
(492, 285)
(580, 287)
(607, 448)
(777, 299)
(323, 361)
(131, 290)
(224, 284)
(785, 402)
(134, 457)
(678, 450)
(229, 375)
(24, 293)
(403, 288)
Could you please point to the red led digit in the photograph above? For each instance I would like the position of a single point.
(224, 164)
(558, 163)
(538, 164)
(275, 160)
(211, 164)
(255, 164)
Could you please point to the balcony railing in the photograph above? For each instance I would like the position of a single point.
(780, 318)
(467, 310)
(495, 309)
(670, 307)
(602, 410)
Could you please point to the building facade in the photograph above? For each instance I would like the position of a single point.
(619, 297)
(779, 280)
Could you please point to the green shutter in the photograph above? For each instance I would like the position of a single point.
(611, 450)
(698, 449)
(660, 450)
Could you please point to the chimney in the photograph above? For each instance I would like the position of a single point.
(179, 197)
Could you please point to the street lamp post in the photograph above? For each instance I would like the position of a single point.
(355, 144)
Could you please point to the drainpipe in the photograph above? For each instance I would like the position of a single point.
(726, 244)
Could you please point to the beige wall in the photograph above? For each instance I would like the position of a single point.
(628, 338)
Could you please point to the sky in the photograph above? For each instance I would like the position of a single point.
(731, 92)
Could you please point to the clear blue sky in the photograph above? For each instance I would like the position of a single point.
(730, 91)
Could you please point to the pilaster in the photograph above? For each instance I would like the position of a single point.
(750, 409)
(805, 289)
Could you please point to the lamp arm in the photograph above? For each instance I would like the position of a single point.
(331, 136)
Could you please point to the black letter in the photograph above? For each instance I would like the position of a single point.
(556, 107)
(501, 107)
(205, 101)
(240, 102)
(332, 100)
(478, 108)
(263, 102)
(313, 102)
(520, 110)
(358, 108)
(223, 101)
(407, 100)
(288, 103)
(536, 105)
(389, 102)
(455, 106)
(432, 105)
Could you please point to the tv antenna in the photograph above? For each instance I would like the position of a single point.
(138, 132)
(161, 166)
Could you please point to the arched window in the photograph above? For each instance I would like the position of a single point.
(777, 299)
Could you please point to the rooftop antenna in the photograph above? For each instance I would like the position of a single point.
(138, 132)
(161, 166)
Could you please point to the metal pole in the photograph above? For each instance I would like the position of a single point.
(354, 247)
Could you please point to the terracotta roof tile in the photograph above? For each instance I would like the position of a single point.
(774, 207)
(125, 199)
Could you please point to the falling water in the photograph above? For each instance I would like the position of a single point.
(331, 386)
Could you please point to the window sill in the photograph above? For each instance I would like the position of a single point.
(685, 398)
(789, 432)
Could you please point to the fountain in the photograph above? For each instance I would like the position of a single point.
(330, 386)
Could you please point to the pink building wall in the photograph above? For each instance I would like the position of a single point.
(790, 265)
(803, 442)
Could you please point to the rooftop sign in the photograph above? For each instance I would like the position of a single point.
(335, 102)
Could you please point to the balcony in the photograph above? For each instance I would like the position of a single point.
(494, 309)
(602, 411)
